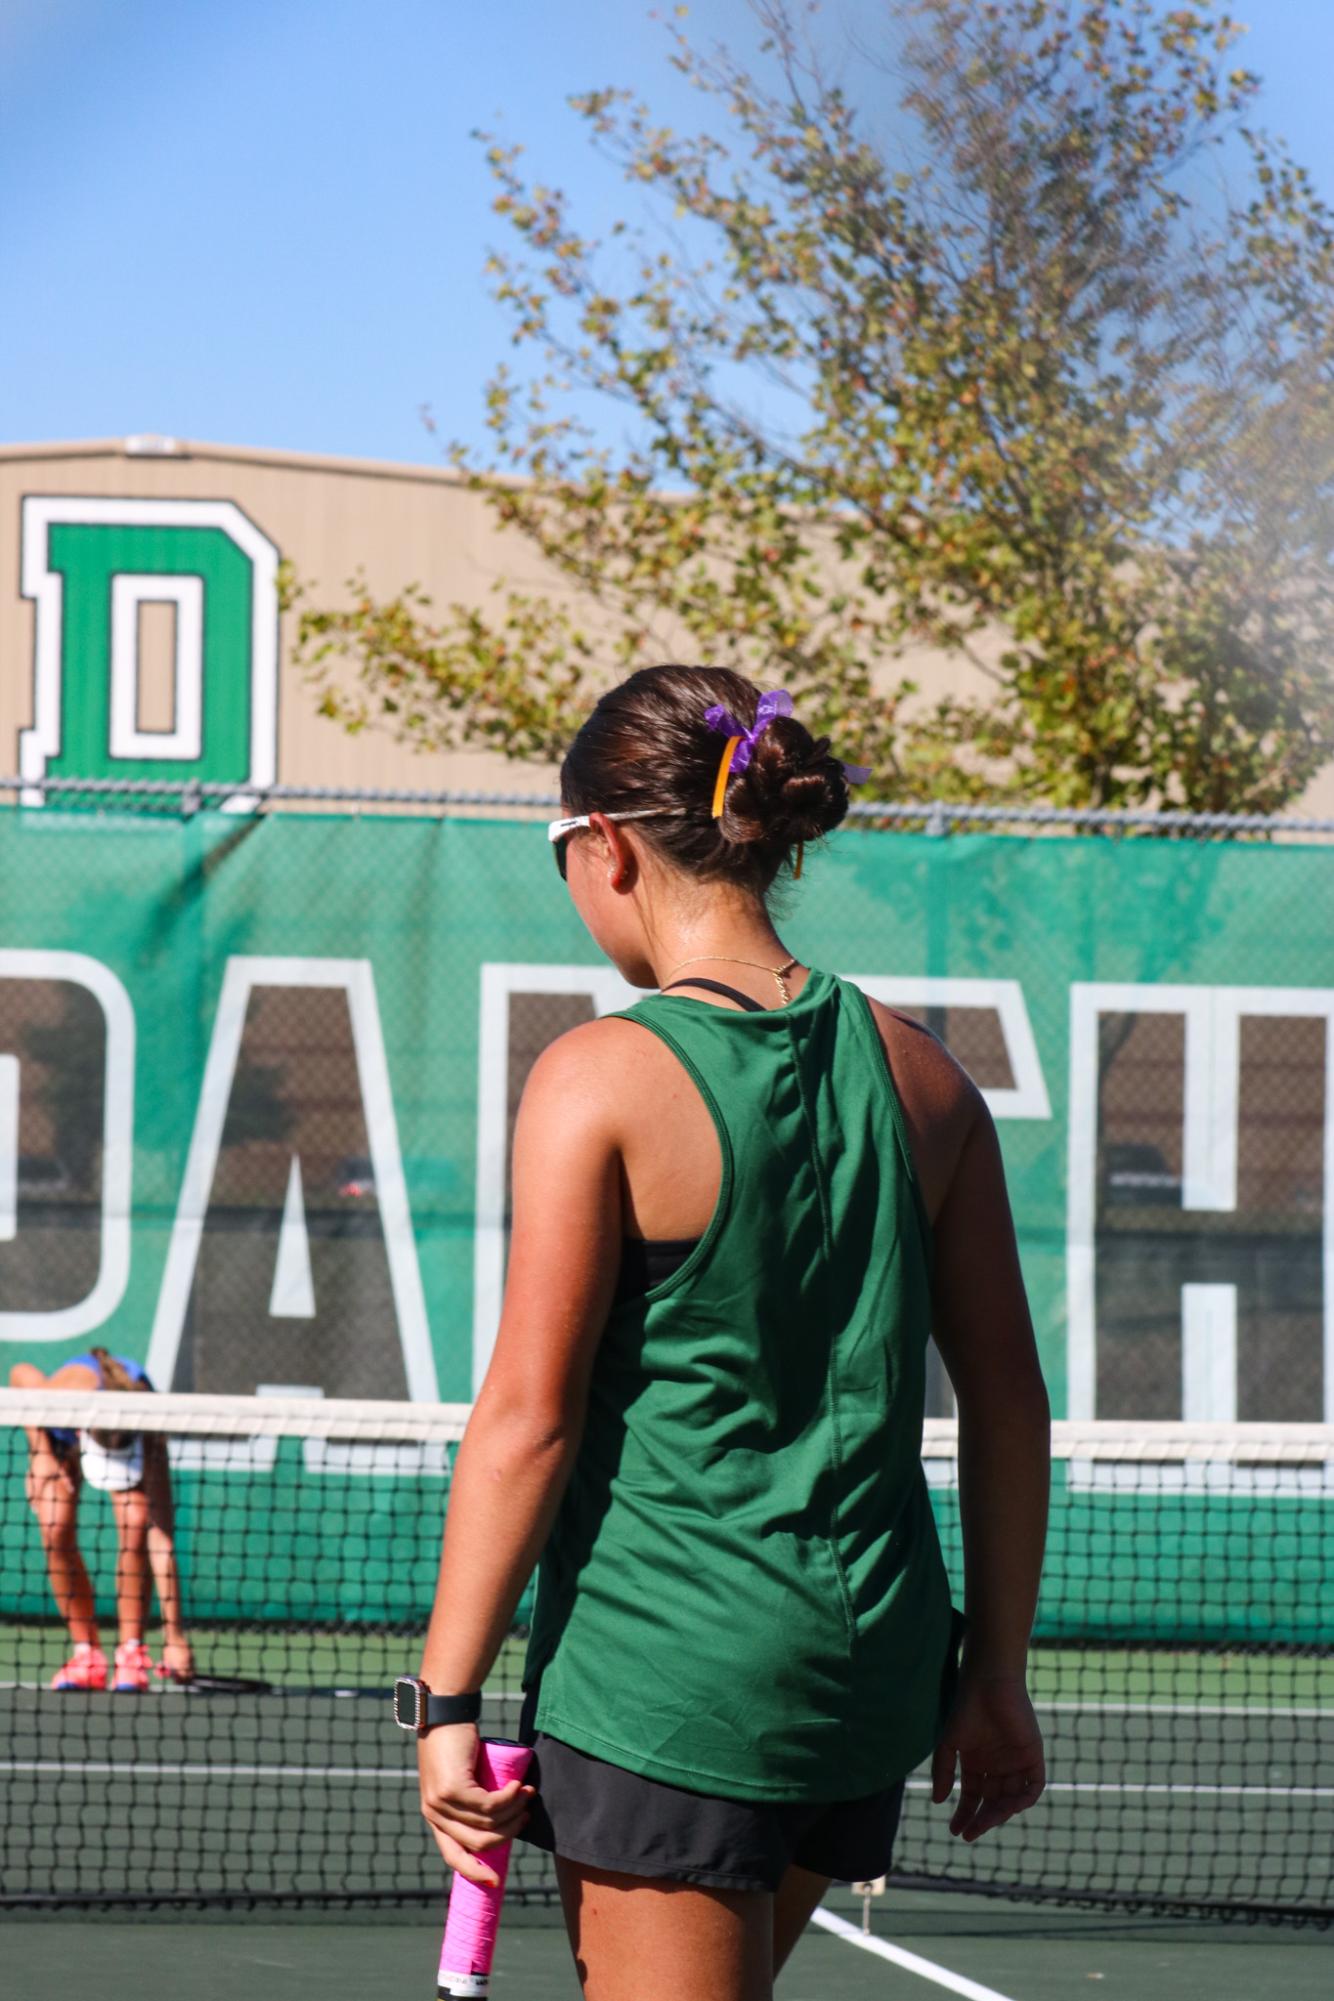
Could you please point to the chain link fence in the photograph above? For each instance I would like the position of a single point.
(259, 1071)
(932, 816)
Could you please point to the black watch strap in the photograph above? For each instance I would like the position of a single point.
(416, 1708)
(452, 1709)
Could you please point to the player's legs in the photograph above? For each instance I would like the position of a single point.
(53, 1492)
(134, 1599)
(133, 1576)
(795, 1898)
(640, 1939)
(56, 1505)
(177, 1657)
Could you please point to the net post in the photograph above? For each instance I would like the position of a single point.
(874, 1886)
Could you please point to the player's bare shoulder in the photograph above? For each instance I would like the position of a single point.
(941, 1102)
(591, 1071)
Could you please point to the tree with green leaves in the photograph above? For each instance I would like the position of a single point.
(1024, 350)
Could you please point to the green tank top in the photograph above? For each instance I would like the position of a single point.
(742, 1592)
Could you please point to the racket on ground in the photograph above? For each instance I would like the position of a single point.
(474, 1908)
(218, 1684)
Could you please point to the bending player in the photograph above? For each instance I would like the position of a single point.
(132, 1468)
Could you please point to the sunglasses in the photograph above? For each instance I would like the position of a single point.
(558, 829)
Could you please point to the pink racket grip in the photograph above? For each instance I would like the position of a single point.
(474, 1908)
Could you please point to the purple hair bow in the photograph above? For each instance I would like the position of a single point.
(777, 702)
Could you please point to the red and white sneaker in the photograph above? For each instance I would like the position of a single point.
(84, 1670)
(134, 1668)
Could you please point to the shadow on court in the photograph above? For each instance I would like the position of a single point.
(1019, 1952)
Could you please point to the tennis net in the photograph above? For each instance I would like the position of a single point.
(1183, 1670)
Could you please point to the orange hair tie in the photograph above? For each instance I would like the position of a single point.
(724, 773)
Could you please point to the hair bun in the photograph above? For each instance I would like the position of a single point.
(648, 749)
(792, 790)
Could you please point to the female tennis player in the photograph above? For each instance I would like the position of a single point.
(132, 1468)
(740, 1209)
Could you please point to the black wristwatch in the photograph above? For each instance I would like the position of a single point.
(416, 1709)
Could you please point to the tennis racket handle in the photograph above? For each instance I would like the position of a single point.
(474, 1908)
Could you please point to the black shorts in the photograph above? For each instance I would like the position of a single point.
(600, 1814)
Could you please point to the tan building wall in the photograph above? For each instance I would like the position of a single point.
(400, 524)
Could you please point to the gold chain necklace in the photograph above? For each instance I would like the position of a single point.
(725, 959)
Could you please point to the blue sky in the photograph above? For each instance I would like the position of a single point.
(263, 222)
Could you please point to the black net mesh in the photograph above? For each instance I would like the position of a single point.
(1182, 1669)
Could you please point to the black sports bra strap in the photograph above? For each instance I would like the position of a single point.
(717, 987)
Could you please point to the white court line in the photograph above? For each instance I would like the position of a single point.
(925, 1969)
(401, 1774)
(126, 1769)
(496, 1695)
(1254, 1712)
(1212, 1792)
(1136, 1786)
(1180, 1709)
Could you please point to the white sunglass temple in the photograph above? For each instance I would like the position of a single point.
(556, 828)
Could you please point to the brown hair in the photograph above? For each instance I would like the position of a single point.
(115, 1376)
(647, 745)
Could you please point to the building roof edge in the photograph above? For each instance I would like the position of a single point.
(151, 446)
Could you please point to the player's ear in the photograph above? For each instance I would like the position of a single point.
(616, 851)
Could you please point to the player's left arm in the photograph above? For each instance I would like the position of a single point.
(177, 1658)
(520, 1444)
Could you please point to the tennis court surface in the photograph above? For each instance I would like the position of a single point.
(1184, 1672)
(1017, 1952)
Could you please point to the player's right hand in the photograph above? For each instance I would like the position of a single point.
(463, 1816)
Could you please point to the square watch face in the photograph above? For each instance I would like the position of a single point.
(406, 1705)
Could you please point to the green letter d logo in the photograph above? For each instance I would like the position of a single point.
(89, 565)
